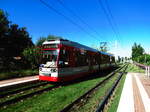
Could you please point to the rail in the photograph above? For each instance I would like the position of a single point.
(108, 95)
(14, 100)
(28, 95)
(69, 106)
(22, 89)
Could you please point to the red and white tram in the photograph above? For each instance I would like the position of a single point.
(65, 60)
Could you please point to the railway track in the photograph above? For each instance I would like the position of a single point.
(69, 106)
(110, 92)
(22, 89)
(23, 93)
(15, 96)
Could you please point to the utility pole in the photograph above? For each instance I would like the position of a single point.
(103, 46)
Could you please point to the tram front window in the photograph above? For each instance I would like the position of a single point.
(50, 56)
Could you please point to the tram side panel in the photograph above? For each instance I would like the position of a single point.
(74, 66)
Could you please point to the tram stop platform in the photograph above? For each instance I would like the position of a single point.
(135, 96)
(16, 81)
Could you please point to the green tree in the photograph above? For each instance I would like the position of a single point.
(33, 55)
(137, 50)
(4, 24)
(13, 40)
(40, 41)
(19, 36)
(49, 37)
(144, 59)
(4, 27)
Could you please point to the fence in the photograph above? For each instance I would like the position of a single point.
(146, 68)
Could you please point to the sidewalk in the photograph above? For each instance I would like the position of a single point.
(10, 82)
(135, 96)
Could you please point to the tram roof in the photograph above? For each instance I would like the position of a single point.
(74, 44)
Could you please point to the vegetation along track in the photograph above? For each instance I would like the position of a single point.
(16, 95)
(23, 88)
(69, 106)
(22, 93)
(110, 92)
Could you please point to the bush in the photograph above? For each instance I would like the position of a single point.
(33, 56)
(144, 59)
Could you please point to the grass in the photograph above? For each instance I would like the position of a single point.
(114, 104)
(9, 97)
(19, 73)
(23, 86)
(54, 100)
(92, 103)
(134, 68)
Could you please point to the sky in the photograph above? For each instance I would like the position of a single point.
(130, 21)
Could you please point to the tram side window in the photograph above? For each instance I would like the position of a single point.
(107, 59)
(64, 58)
(102, 59)
(84, 60)
(96, 59)
(87, 59)
(80, 59)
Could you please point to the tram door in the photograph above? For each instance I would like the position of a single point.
(90, 63)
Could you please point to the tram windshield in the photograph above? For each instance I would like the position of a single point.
(50, 46)
(50, 56)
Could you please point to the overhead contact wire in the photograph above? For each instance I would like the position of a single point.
(67, 18)
(79, 18)
(108, 18)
